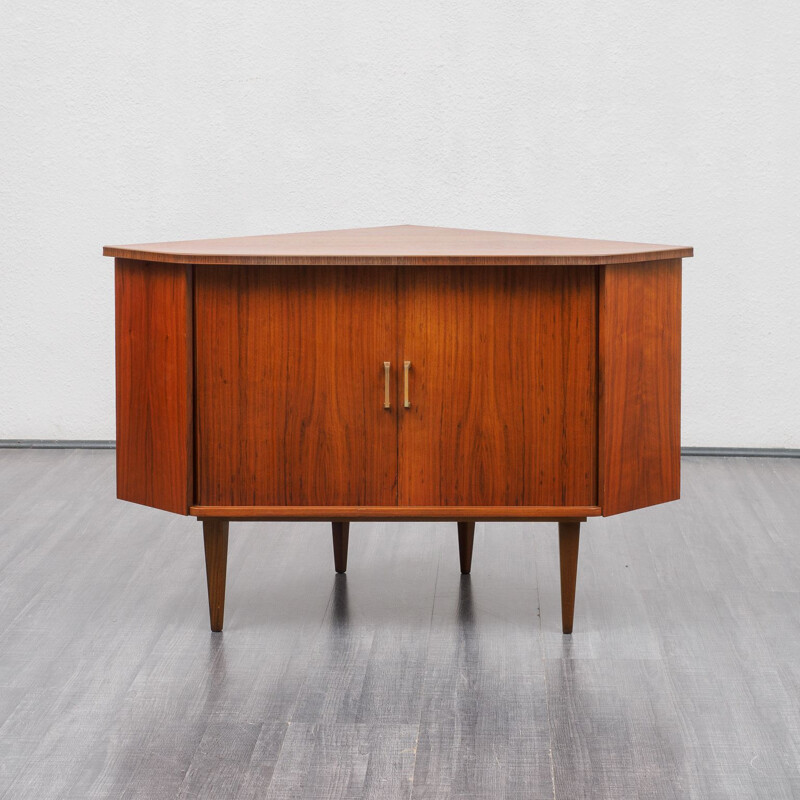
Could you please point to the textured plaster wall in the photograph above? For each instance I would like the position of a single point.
(672, 122)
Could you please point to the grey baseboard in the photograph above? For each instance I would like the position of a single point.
(59, 444)
(108, 444)
(742, 452)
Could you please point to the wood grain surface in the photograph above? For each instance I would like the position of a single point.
(374, 513)
(399, 244)
(568, 542)
(640, 386)
(154, 384)
(340, 534)
(290, 386)
(215, 545)
(466, 539)
(502, 386)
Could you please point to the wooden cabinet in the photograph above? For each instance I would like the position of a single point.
(293, 365)
(402, 372)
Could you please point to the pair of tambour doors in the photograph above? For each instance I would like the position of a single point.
(491, 398)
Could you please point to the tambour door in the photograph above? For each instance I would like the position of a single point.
(502, 386)
(290, 385)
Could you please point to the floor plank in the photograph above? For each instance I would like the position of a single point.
(402, 678)
(484, 728)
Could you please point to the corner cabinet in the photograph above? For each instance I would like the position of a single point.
(397, 373)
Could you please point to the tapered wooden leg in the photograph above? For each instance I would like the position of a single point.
(215, 539)
(341, 534)
(568, 539)
(466, 533)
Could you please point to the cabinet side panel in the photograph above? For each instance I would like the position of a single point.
(640, 384)
(154, 384)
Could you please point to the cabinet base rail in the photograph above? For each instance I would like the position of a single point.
(387, 513)
(215, 537)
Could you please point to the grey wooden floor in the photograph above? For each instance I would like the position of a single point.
(402, 679)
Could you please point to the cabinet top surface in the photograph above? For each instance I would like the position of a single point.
(401, 245)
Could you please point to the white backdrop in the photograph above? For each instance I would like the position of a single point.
(674, 122)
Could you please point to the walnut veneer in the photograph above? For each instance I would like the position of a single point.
(397, 373)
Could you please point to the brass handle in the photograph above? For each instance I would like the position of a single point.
(406, 368)
(387, 403)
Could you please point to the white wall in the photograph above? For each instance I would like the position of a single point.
(674, 122)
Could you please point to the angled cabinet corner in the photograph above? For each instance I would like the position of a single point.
(153, 319)
(640, 384)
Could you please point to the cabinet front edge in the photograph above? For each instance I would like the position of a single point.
(409, 513)
(394, 260)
